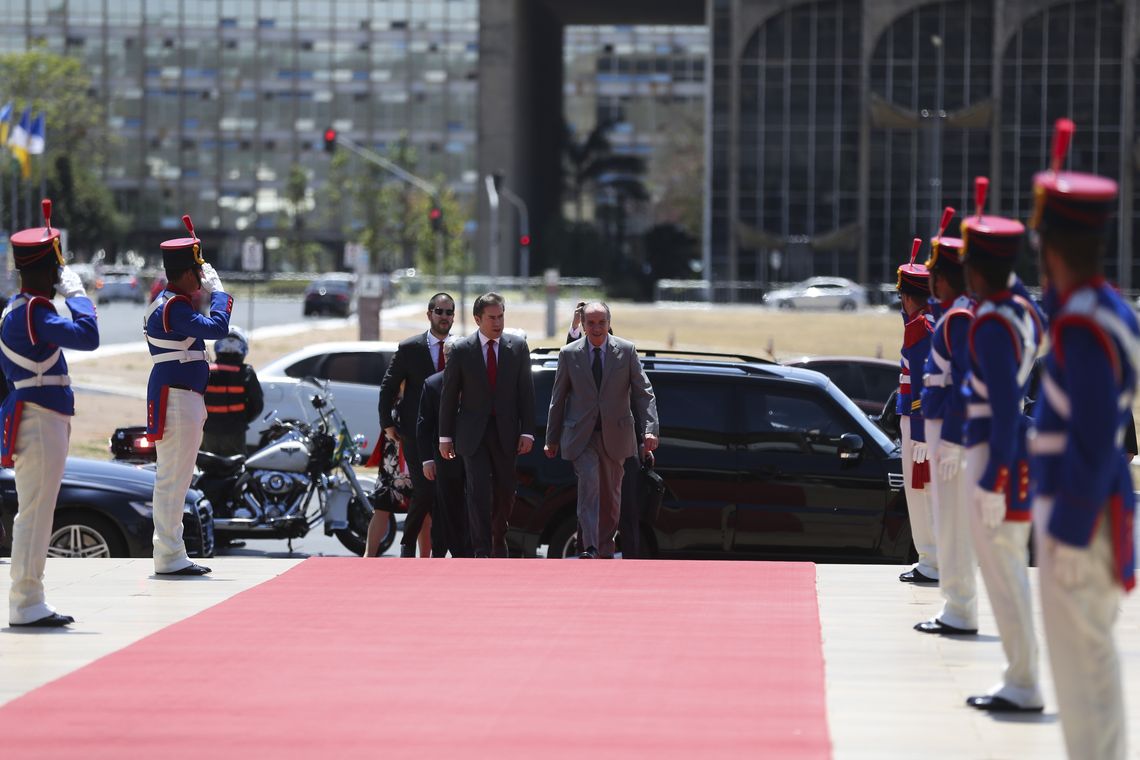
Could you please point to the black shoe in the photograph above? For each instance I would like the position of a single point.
(590, 553)
(482, 555)
(54, 620)
(913, 576)
(937, 626)
(190, 569)
(1000, 704)
(408, 551)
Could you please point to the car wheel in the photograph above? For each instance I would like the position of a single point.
(786, 305)
(563, 541)
(847, 306)
(82, 533)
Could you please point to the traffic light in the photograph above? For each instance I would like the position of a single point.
(436, 218)
(524, 240)
(330, 140)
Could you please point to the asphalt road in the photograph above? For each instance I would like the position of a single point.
(315, 544)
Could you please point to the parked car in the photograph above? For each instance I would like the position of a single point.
(330, 294)
(104, 510)
(354, 371)
(760, 461)
(866, 381)
(119, 284)
(820, 293)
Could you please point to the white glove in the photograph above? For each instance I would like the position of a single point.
(949, 460)
(211, 283)
(918, 452)
(991, 507)
(1070, 563)
(69, 285)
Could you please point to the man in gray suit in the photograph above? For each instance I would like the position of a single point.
(486, 415)
(598, 386)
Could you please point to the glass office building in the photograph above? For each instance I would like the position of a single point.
(642, 81)
(212, 102)
(840, 128)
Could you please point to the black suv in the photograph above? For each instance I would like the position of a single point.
(759, 461)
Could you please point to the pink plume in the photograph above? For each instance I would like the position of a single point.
(189, 224)
(981, 187)
(1062, 136)
(914, 249)
(45, 204)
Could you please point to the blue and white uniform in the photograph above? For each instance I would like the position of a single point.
(176, 409)
(1004, 340)
(917, 330)
(1084, 500)
(37, 429)
(944, 408)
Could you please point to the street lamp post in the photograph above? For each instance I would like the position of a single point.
(524, 230)
(492, 182)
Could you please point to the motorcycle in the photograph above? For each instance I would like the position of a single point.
(300, 476)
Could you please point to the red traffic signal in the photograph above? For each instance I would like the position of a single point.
(436, 217)
(524, 240)
(330, 140)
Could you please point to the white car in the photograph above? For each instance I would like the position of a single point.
(820, 293)
(353, 369)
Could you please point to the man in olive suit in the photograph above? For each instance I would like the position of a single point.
(597, 387)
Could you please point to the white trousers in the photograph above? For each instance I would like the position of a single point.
(1082, 652)
(38, 459)
(919, 509)
(177, 451)
(957, 562)
(1003, 554)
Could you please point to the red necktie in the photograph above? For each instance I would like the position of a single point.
(439, 364)
(492, 365)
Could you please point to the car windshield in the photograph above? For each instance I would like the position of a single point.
(340, 286)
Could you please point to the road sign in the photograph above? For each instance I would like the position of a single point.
(371, 285)
(252, 255)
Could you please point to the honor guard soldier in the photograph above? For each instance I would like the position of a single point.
(1084, 508)
(175, 408)
(37, 412)
(914, 288)
(1004, 340)
(943, 408)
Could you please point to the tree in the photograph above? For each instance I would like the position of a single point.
(591, 164)
(678, 169)
(77, 138)
(389, 217)
(304, 255)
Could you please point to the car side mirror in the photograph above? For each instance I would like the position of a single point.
(889, 419)
(850, 446)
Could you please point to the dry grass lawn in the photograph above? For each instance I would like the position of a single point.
(739, 329)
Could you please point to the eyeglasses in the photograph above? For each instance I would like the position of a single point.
(441, 312)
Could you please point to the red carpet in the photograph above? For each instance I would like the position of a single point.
(462, 658)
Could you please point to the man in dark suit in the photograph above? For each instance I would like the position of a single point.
(486, 416)
(416, 358)
(449, 515)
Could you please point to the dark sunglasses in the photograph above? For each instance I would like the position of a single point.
(441, 312)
